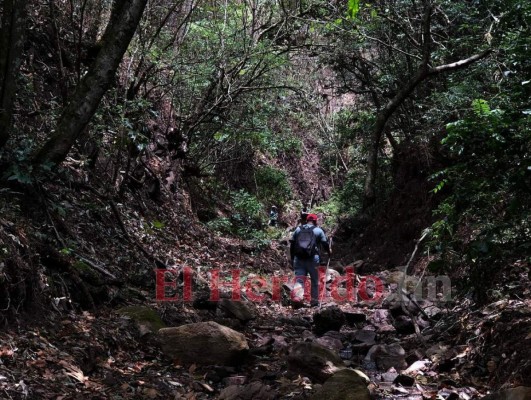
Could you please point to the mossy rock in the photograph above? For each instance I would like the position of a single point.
(147, 319)
(87, 273)
(314, 361)
(343, 385)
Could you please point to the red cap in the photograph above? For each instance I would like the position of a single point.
(311, 217)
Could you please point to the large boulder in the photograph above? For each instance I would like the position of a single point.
(204, 343)
(328, 319)
(313, 361)
(343, 385)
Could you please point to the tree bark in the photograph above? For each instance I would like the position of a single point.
(11, 45)
(124, 20)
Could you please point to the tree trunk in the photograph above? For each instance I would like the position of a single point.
(376, 137)
(84, 102)
(11, 45)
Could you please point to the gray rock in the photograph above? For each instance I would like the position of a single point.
(433, 312)
(330, 342)
(332, 275)
(240, 310)
(404, 325)
(343, 385)
(204, 343)
(335, 335)
(279, 343)
(397, 305)
(307, 335)
(363, 340)
(389, 376)
(382, 320)
(313, 361)
(235, 380)
(517, 393)
(353, 318)
(253, 391)
(387, 356)
(365, 336)
(415, 355)
(404, 380)
(146, 319)
(328, 319)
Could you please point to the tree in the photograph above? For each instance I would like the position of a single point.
(424, 71)
(125, 17)
(11, 45)
(383, 52)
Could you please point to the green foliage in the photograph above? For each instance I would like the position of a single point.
(19, 173)
(350, 196)
(331, 209)
(245, 220)
(221, 225)
(272, 185)
(248, 212)
(481, 107)
(487, 186)
(143, 316)
(353, 8)
(158, 224)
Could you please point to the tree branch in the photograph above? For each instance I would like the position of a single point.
(459, 64)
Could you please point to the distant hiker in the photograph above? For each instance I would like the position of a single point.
(304, 215)
(305, 257)
(273, 216)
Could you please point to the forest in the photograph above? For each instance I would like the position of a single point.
(160, 161)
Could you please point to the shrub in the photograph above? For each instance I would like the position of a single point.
(272, 185)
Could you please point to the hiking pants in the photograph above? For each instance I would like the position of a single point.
(303, 268)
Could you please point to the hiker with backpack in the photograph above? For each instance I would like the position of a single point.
(273, 216)
(306, 242)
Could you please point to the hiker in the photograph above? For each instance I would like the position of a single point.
(305, 257)
(273, 216)
(304, 215)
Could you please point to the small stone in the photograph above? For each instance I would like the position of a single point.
(328, 319)
(387, 356)
(279, 343)
(404, 380)
(330, 343)
(365, 336)
(353, 318)
(389, 376)
(240, 310)
(517, 393)
(415, 355)
(212, 376)
(253, 391)
(404, 325)
(235, 380)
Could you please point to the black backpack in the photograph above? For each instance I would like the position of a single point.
(305, 242)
